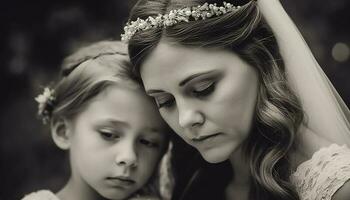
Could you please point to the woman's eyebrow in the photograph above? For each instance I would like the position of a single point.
(154, 91)
(193, 76)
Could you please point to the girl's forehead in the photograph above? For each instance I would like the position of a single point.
(129, 105)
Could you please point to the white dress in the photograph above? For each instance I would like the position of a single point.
(48, 195)
(321, 176)
(315, 179)
(41, 195)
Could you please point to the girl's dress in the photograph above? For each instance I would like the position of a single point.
(321, 176)
(48, 195)
(41, 195)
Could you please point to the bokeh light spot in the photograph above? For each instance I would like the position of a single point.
(341, 52)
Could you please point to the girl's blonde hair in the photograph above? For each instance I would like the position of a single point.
(87, 73)
(278, 110)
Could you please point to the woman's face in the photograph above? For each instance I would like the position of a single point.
(207, 96)
(117, 142)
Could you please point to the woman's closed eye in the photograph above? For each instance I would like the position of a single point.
(203, 89)
(164, 101)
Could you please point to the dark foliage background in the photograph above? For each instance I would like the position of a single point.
(36, 35)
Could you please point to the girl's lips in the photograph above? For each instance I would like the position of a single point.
(121, 181)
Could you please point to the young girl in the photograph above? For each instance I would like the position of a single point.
(238, 83)
(112, 130)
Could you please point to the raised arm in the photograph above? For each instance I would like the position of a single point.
(327, 115)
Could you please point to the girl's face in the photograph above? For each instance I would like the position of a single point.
(116, 142)
(207, 96)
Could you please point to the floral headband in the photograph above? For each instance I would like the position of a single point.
(45, 104)
(200, 12)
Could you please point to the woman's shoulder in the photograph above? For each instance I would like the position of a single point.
(324, 174)
(41, 195)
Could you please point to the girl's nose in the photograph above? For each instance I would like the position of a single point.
(126, 155)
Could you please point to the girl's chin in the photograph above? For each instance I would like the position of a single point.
(116, 193)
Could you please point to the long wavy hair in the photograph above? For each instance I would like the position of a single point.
(278, 111)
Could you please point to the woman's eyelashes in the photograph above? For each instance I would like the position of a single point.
(164, 100)
(168, 103)
(203, 89)
(198, 90)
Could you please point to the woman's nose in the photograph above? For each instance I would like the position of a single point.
(126, 155)
(189, 116)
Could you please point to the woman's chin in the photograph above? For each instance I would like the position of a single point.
(215, 155)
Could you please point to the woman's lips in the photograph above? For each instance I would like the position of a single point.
(204, 137)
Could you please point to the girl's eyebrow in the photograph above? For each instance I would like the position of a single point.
(115, 122)
(193, 76)
(152, 130)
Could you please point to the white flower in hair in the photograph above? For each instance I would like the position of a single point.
(45, 100)
(45, 96)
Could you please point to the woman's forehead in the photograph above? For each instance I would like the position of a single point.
(170, 57)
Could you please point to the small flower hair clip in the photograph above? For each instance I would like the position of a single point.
(45, 104)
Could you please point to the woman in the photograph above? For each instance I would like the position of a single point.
(231, 92)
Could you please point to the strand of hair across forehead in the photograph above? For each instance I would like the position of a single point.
(200, 12)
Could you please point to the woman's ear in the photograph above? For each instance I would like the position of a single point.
(60, 133)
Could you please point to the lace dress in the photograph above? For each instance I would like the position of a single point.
(321, 176)
(41, 195)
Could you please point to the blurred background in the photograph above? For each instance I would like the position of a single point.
(36, 35)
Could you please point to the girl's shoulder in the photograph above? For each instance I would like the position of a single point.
(41, 195)
(325, 173)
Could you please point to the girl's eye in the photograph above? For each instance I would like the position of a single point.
(204, 89)
(109, 135)
(164, 101)
(149, 143)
